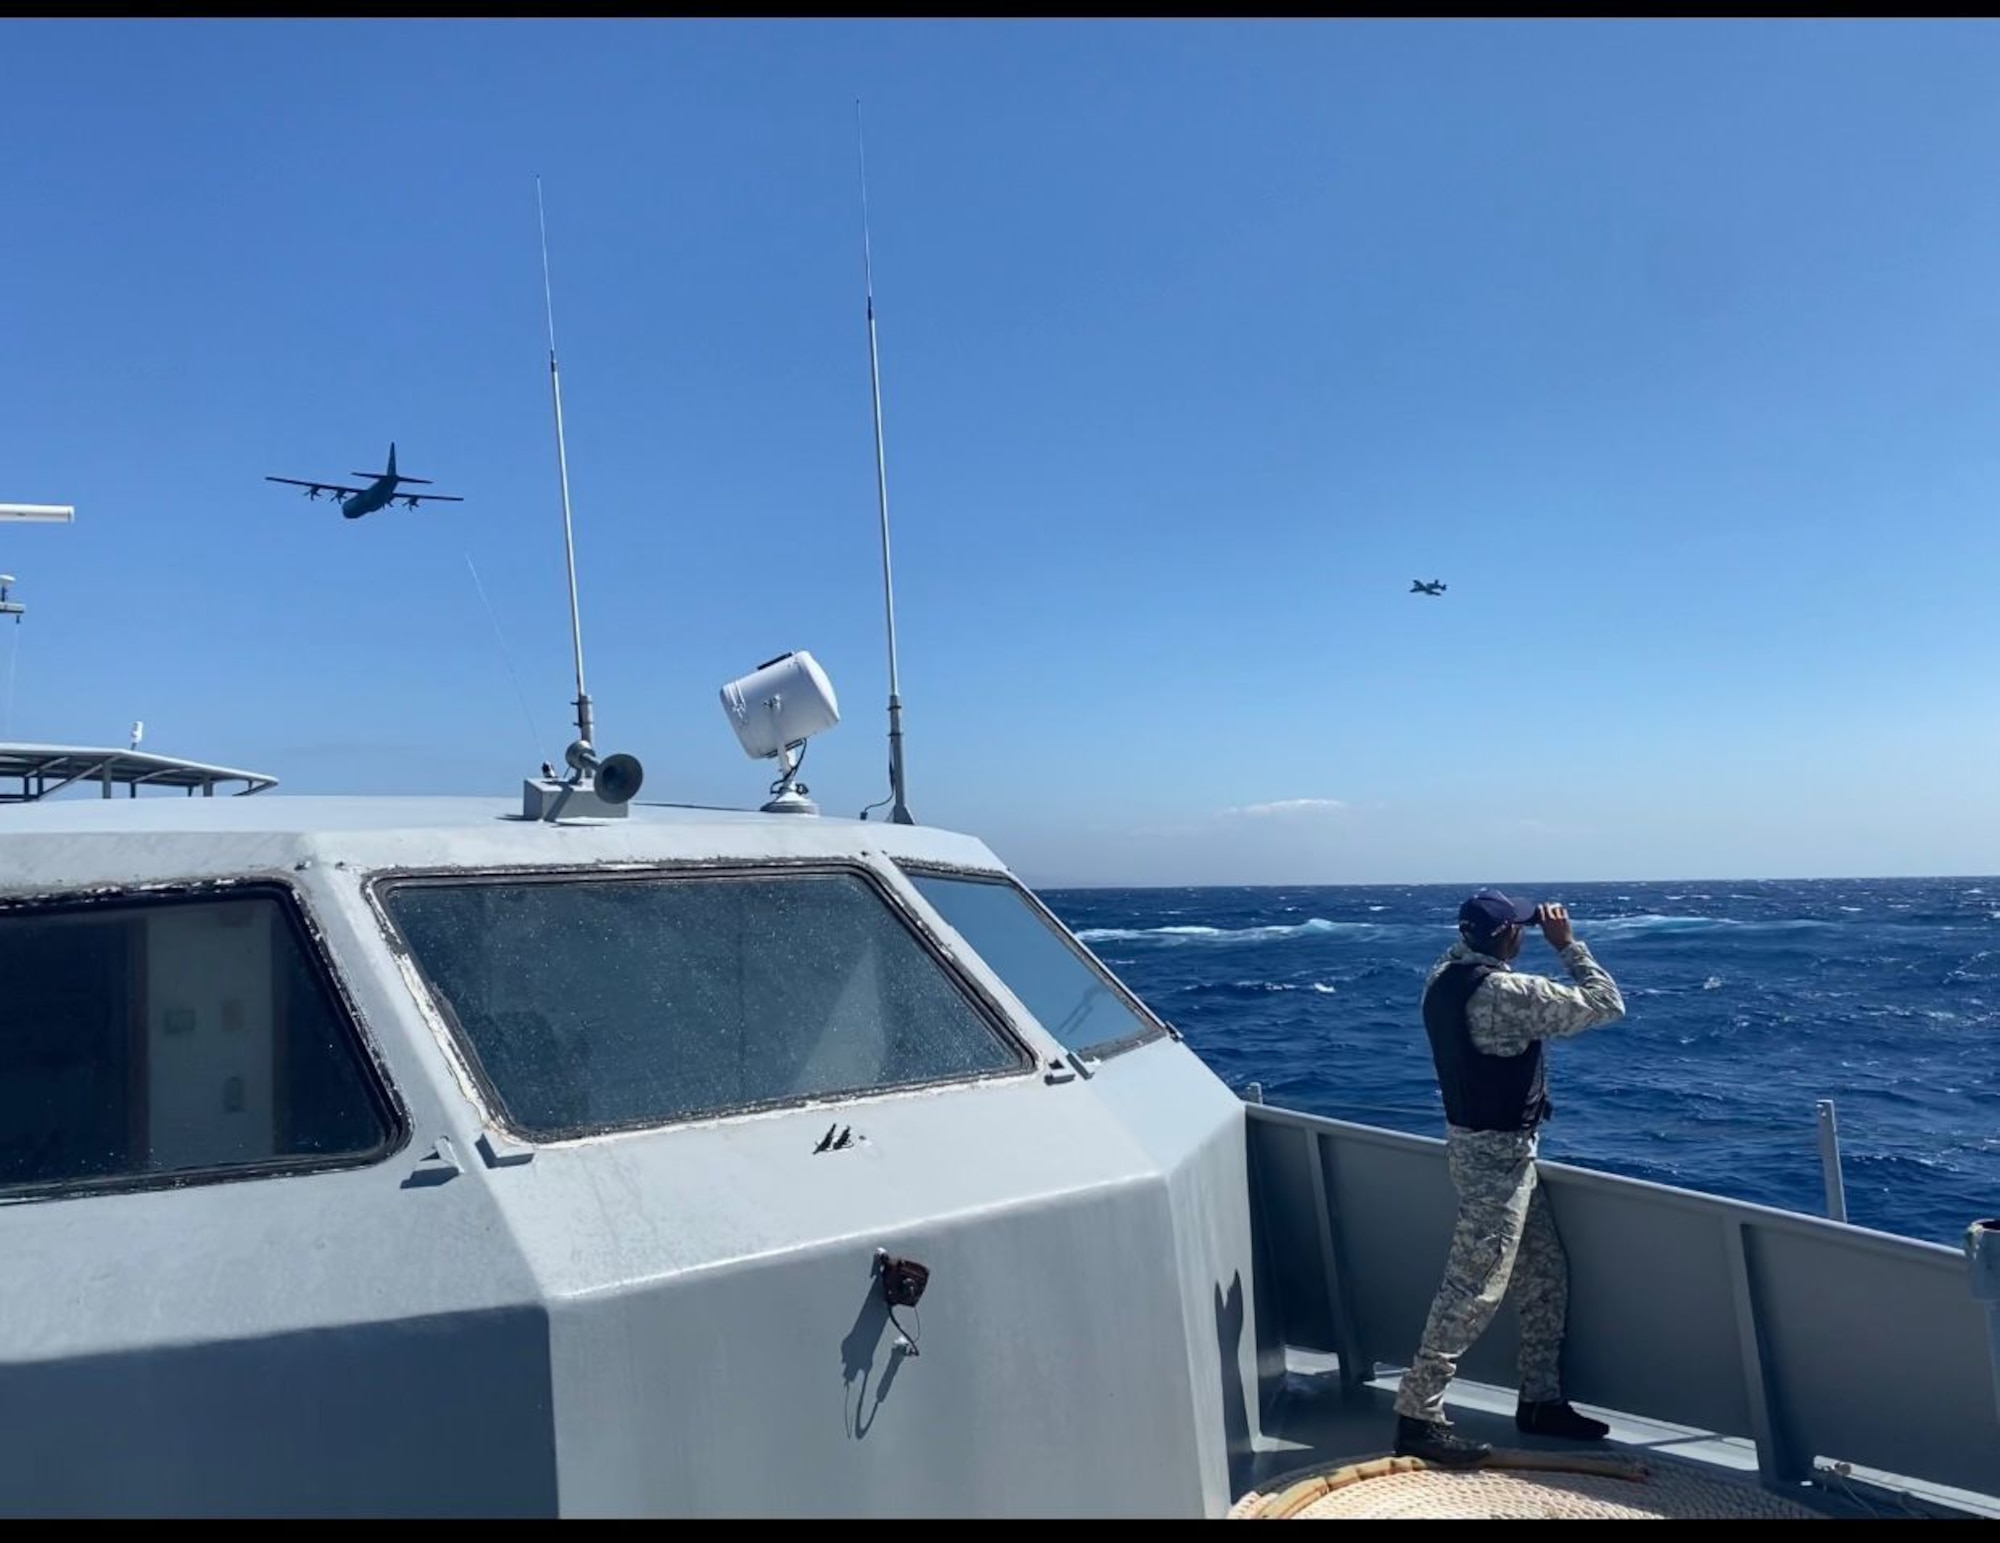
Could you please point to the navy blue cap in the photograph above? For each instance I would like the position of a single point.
(1487, 912)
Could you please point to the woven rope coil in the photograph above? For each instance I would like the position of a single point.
(1513, 1485)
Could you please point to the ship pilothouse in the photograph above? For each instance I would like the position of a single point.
(663, 1147)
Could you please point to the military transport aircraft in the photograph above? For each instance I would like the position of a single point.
(1419, 587)
(381, 493)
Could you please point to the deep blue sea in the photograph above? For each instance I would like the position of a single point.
(1745, 1004)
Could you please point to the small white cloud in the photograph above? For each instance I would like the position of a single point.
(1544, 828)
(1288, 806)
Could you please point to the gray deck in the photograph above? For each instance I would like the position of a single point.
(1315, 1425)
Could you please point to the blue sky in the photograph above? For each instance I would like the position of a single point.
(1674, 348)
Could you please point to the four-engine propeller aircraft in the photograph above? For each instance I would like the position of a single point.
(381, 493)
(1419, 587)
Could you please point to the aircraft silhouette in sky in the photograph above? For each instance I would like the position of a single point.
(381, 493)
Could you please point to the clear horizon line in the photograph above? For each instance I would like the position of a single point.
(1547, 884)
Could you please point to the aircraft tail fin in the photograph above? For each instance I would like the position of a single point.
(422, 481)
(392, 474)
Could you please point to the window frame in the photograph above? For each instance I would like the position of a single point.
(384, 884)
(309, 939)
(913, 868)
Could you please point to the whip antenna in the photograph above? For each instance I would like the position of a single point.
(596, 787)
(899, 810)
(584, 727)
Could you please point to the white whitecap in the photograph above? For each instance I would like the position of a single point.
(1314, 927)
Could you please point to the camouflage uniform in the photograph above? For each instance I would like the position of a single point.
(1505, 1234)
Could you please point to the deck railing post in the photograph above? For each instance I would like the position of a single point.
(1829, 1161)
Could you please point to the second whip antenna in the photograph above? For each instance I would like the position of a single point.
(899, 809)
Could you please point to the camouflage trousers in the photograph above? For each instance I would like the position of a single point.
(1505, 1237)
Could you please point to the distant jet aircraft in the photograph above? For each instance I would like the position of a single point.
(1419, 587)
(379, 494)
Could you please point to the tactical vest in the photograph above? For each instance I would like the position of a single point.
(1481, 1091)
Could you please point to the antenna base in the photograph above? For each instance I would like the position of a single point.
(544, 798)
(791, 801)
(596, 789)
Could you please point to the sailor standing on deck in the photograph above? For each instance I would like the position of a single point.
(1487, 1027)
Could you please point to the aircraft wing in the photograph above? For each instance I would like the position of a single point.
(411, 500)
(317, 487)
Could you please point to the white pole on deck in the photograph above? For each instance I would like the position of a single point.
(1829, 1161)
(899, 809)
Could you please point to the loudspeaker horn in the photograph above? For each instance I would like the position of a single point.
(618, 778)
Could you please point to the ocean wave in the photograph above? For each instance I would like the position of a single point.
(1978, 968)
(1643, 924)
(1649, 924)
(1246, 988)
(1317, 926)
(1929, 1163)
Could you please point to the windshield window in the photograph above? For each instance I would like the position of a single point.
(168, 1039)
(1040, 962)
(601, 1004)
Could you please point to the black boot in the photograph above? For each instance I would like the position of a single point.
(1554, 1417)
(1436, 1442)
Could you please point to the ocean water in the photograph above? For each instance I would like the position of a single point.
(1746, 1003)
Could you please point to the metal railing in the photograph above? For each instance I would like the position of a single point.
(1829, 1143)
(1819, 1341)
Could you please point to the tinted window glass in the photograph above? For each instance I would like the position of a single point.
(1040, 963)
(601, 1004)
(172, 1037)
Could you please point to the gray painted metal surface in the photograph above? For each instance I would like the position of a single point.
(1819, 1340)
(1982, 1255)
(676, 1321)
